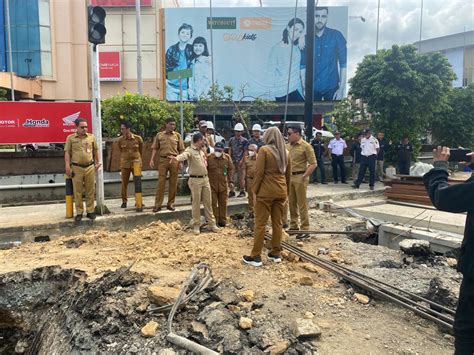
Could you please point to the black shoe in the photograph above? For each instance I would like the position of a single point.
(254, 261)
(372, 188)
(302, 236)
(324, 183)
(274, 258)
(156, 209)
(336, 182)
(78, 218)
(242, 194)
(355, 186)
(171, 208)
(124, 205)
(221, 224)
(285, 225)
(345, 182)
(91, 216)
(231, 194)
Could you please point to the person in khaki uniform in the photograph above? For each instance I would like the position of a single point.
(270, 190)
(131, 147)
(303, 164)
(166, 143)
(248, 173)
(220, 170)
(198, 182)
(81, 157)
(207, 137)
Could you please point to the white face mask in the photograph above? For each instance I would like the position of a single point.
(218, 154)
(251, 153)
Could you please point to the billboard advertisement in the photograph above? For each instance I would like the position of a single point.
(110, 66)
(41, 122)
(259, 50)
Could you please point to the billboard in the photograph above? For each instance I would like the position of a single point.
(41, 122)
(261, 50)
(119, 3)
(110, 66)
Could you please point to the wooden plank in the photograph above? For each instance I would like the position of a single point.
(409, 187)
(405, 192)
(428, 203)
(409, 197)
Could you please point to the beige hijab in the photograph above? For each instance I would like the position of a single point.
(274, 140)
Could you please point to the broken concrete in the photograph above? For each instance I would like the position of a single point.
(415, 247)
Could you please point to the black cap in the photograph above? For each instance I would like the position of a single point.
(366, 130)
(219, 146)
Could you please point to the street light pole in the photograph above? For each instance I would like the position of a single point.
(139, 47)
(421, 26)
(10, 56)
(308, 101)
(212, 62)
(378, 22)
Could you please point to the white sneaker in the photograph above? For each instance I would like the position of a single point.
(215, 229)
(196, 230)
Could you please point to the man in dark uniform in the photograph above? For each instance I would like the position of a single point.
(320, 151)
(457, 198)
(167, 143)
(130, 146)
(221, 173)
(404, 151)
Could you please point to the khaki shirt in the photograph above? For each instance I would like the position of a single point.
(81, 148)
(269, 182)
(168, 144)
(302, 155)
(130, 150)
(250, 165)
(221, 171)
(197, 161)
(208, 142)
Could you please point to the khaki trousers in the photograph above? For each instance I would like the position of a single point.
(264, 208)
(164, 166)
(249, 185)
(83, 182)
(125, 174)
(201, 191)
(285, 212)
(298, 202)
(219, 205)
(380, 173)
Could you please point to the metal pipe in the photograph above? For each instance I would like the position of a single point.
(327, 232)
(378, 22)
(309, 74)
(421, 26)
(139, 47)
(10, 55)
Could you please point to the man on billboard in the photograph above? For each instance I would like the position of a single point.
(330, 59)
(179, 56)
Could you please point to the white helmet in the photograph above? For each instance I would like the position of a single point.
(239, 127)
(210, 125)
(257, 127)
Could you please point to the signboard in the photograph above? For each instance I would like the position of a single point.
(41, 122)
(119, 3)
(110, 66)
(180, 74)
(258, 49)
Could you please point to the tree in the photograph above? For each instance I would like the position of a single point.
(3, 95)
(348, 117)
(454, 126)
(146, 113)
(404, 90)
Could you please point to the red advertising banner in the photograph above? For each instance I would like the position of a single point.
(119, 3)
(110, 66)
(41, 122)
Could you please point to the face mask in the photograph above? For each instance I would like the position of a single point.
(218, 154)
(251, 153)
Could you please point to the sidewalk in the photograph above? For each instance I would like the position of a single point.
(23, 223)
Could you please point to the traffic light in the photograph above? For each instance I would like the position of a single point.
(97, 30)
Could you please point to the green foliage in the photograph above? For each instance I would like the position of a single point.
(454, 126)
(3, 95)
(146, 113)
(345, 115)
(404, 90)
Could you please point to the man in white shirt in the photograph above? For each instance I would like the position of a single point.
(336, 154)
(370, 148)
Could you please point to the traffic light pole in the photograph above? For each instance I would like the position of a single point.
(100, 209)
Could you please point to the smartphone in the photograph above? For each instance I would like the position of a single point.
(459, 154)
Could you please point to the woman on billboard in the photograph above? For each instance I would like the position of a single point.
(200, 83)
(279, 63)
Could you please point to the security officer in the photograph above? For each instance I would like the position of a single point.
(369, 149)
(198, 182)
(131, 147)
(303, 164)
(248, 173)
(221, 173)
(404, 151)
(319, 151)
(166, 143)
(336, 155)
(82, 160)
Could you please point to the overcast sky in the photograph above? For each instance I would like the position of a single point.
(399, 20)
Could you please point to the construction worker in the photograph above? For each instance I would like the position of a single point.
(198, 182)
(81, 157)
(237, 147)
(256, 136)
(270, 190)
(208, 138)
(248, 173)
(303, 164)
(166, 143)
(221, 175)
(130, 147)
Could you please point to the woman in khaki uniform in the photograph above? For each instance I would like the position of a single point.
(270, 190)
(248, 173)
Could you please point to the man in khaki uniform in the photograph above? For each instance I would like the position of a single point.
(131, 147)
(303, 165)
(166, 143)
(248, 173)
(221, 174)
(81, 157)
(198, 183)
